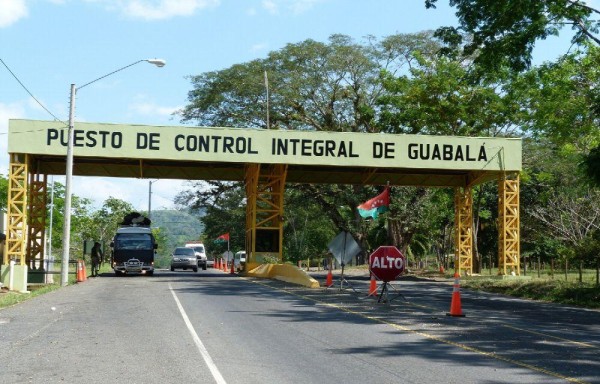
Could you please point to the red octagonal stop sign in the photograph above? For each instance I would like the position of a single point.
(387, 263)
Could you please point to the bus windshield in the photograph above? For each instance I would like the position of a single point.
(142, 241)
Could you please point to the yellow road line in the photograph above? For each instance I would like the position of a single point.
(430, 336)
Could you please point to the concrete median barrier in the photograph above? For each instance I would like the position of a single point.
(284, 272)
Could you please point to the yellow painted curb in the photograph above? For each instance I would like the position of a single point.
(284, 272)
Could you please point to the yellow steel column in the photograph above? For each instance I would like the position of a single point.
(509, 251)
(265, 186)
(37, 220)
(251, 183)
(17, 209)
(463, 226)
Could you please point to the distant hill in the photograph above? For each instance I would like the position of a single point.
(177, 227)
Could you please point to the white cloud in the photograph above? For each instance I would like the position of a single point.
(134, 191)
(256, 48)
(10, 111)
(301, 6)
(7, 111)
(152, 109)
(12, 11)
(271, 6)
(295, 6)
(163, 9)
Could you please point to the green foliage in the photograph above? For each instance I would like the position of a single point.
(591, 165)
(312, 85)
(11, 298)
(420, 212)
(173, 228)
(559, 100)
(560, 212)
(307, 230)
(564, 292)
(505, 32)
(3, 193)
(223, 210)
(81, 209)
(401, 84)
(438, 97)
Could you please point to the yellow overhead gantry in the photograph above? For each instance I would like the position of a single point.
(265, 160)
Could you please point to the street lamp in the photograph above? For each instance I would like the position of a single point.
(150, 198)
(69, 172)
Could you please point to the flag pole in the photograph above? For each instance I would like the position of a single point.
(387, 217)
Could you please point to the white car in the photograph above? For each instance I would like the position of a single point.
(239, 259)
(200, 253)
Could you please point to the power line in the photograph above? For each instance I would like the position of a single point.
(31, 94)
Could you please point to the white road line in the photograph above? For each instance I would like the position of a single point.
(207, 359)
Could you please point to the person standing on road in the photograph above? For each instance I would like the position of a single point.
(96, 258)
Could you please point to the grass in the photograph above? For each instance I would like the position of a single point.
(548, 287)
(10, 298)
(569, 292)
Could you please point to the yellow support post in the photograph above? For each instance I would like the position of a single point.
(463, 225)
(265, 186)
(14, 269)
(251, 182)
(509, 251)
(17, 209)
(37, 220)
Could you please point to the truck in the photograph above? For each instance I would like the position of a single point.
(200, 253)
(133, 247)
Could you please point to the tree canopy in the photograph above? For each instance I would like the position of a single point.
(413, 83)
(505, 32)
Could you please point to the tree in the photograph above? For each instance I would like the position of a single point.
(421, 213)
(560, 211)
(504, 32)
(439, 97)
(3, 193)
(330, 86)
(591, 165)
(223, 210)
(101, 225)
(573, 219)
(559, 101)
(80, 216)
(307, 230)
(312, 85)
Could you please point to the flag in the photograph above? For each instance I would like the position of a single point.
(224, 238)
(375, 206)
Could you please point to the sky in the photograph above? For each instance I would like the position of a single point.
(50, 44)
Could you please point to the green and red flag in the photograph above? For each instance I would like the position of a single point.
(377, 205)
(224, 238)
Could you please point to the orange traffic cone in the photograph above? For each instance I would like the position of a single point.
(80, 274)
(455, 307)
(329, 281)
(373, 286)
(224, 266)
(232, 271)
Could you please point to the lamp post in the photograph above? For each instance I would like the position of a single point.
(150, 198)
(69, 172)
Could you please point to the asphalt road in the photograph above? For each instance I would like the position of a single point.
(207, 327)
